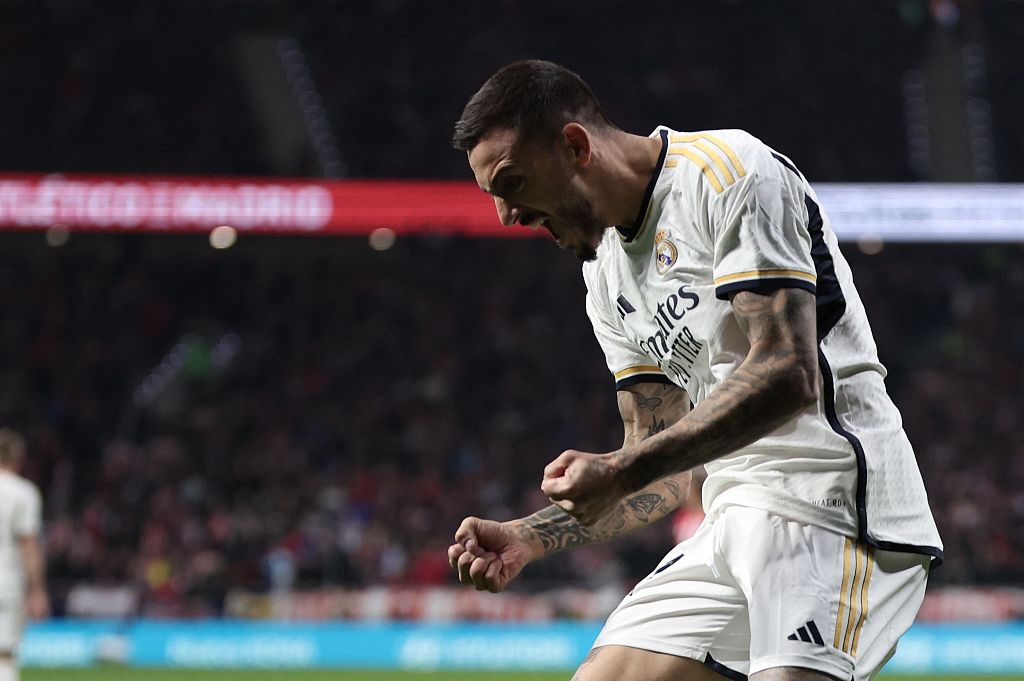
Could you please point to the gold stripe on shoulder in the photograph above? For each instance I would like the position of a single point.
(716, 159)
(630, 371)
(703, 165)
(725, 148)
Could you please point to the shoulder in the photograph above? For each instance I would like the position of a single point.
(711, 162)
(17, 491)
(26, 488)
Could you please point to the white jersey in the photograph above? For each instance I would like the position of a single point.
(20, 516)
(725, 213)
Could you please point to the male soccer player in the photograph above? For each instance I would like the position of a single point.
(22, 586)
(713, 277)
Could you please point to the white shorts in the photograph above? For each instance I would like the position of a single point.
(752, 591)
(12, 621)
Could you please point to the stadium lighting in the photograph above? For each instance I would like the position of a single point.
(382, 238)
(223, 236)
(58, 235)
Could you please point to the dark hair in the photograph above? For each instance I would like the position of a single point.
(534, 98)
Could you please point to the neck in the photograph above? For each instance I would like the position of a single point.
(629, 162)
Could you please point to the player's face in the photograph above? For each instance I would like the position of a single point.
(538, 186)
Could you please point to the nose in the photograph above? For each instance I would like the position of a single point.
(507, 212)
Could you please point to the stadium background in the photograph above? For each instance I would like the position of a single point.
(255, 455)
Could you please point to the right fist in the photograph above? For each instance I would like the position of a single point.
(487, 554)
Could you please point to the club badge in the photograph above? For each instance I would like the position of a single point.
(665, 253)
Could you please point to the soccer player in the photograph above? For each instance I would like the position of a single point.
(713, 278)
(22, 585)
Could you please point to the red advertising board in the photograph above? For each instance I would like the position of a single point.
(197, 204)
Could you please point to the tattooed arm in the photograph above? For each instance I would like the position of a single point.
(489, 555)
(777, 380)
(649, 408)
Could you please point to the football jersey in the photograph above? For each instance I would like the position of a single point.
(725, 213)
(20, 516)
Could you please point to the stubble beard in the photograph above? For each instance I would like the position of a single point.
(581, 215)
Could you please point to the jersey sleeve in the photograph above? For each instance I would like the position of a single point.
(760, 234)
(28, 514)
(625, 361)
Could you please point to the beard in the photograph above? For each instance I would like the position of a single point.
(589, 226)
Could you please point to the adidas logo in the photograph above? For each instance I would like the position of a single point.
(807, 633)
(624, 306)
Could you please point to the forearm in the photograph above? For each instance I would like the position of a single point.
(760, 396)
(551, 529)
(776, 381)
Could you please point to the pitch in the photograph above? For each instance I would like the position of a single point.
(128, 674)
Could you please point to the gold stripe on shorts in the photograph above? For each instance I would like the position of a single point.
(863, 600)
(844, 601)
(853, 595)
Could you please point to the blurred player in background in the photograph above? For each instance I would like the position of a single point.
(22, 583)
(713, 276)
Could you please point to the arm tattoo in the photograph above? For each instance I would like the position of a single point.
(675, 489)
(778, 378)
(665, 404)
(554, 529)
(644, 504)
(656, 427)
(644, 402)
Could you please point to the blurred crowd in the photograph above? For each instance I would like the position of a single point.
(302, 413)
(156, 87)
(298, 413)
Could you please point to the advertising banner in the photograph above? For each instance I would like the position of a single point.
(892, 212)
(925, 649)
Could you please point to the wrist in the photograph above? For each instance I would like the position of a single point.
(521, 529)
(623, 465)
(637, 466)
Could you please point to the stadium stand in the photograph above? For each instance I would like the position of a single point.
(301, 413)
(306, 413)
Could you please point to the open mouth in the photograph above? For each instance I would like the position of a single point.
(546, 224)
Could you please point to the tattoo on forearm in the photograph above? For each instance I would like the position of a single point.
(674, 488)
(555, 529)
(644, 504)
(616, 520)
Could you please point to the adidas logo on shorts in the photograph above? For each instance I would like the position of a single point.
(807, 633)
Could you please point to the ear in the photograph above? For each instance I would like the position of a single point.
(578, 143)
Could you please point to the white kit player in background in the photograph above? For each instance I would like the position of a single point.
(22, 582)
(713, 277)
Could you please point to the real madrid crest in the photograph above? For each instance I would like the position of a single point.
(665, 252)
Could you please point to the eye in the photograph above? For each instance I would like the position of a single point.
(513, 185)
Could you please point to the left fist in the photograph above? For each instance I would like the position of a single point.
(583, 485)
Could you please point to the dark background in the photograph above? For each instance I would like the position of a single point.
(320, 413)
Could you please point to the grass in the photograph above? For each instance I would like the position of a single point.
(128, 674)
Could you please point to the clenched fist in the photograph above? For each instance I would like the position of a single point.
(583, 485)
(488, 554)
